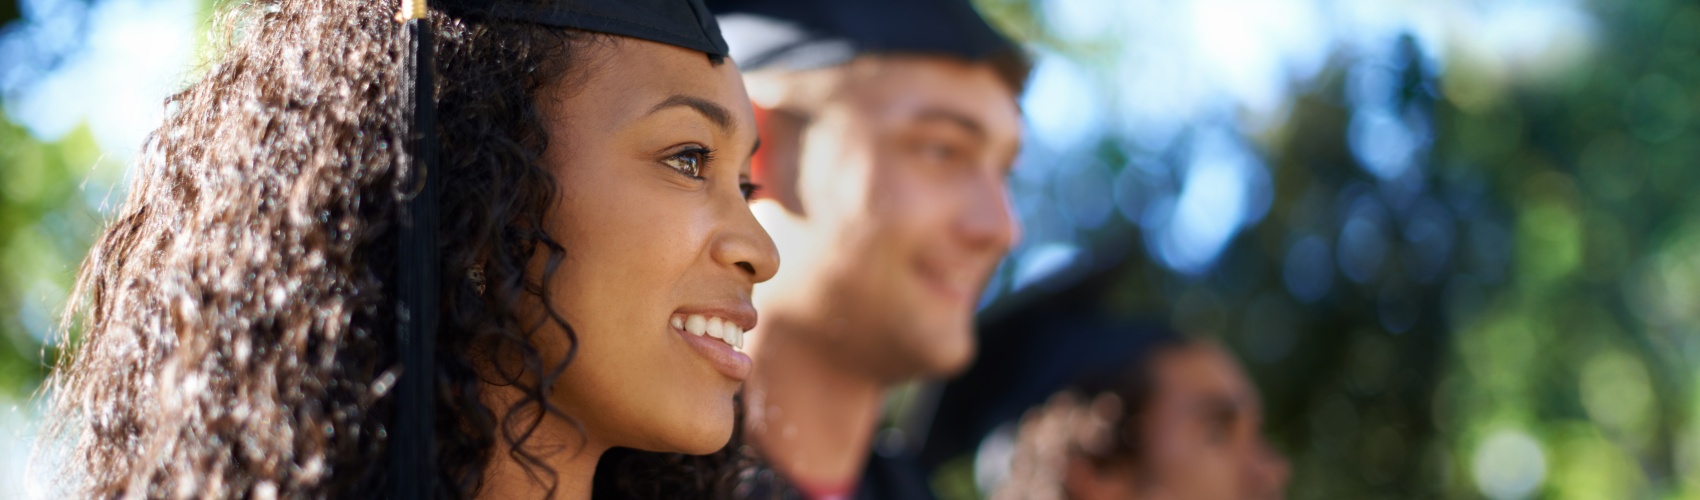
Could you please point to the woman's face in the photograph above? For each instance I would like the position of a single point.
(651, 145)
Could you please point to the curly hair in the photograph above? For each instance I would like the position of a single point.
(230, 333)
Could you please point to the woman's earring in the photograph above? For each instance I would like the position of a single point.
(475, 274)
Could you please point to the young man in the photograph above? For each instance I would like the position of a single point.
(888, 129)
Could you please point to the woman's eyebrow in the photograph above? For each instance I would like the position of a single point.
(714, 112)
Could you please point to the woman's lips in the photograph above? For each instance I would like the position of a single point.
(717, 334)
(726, 360)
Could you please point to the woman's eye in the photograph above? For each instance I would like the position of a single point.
(1220, 430)
(1219, 435)
(749, 190)
(688, 162)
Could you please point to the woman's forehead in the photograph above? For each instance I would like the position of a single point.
(624, 61)
(1202, 371)
(622, 78)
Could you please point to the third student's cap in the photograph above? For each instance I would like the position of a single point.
(806, 34)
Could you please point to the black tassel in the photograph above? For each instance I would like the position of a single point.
(412, 443)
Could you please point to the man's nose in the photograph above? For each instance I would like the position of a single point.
(987, 220)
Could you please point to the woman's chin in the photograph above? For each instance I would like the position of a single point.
(706, 439)
(707, 445)
(702, 433)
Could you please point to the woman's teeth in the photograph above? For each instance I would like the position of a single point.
(700, 325)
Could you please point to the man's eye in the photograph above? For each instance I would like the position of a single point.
(689, 162)
(938, 152)
(942, 152)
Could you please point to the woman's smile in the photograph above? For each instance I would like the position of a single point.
(717, 335)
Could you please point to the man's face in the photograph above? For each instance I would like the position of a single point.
(1204, 432)
(899, 214)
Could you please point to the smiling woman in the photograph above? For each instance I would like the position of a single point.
(663, 249)
(232, 333)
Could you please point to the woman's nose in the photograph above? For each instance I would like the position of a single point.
(746, 246)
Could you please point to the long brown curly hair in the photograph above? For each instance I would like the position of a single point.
(230, 333)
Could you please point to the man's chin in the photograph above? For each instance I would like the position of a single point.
(949, 356)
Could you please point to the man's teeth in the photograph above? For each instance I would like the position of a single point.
(711, 326)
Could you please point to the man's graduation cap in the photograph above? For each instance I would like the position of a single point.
(683, 23)
(806, 34)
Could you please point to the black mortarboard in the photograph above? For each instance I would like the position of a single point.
(804, 34)
(682, 23)
(1027, 356)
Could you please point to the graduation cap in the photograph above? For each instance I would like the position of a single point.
(1030, 351)
(806, 34)
(682, 23)
(1017, 373)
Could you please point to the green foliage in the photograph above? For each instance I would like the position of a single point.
(1590, 348)
(48, 195)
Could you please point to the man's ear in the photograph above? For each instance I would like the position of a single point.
(759, 161)
(775, 165)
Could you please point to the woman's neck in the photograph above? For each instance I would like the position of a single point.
(561, 447)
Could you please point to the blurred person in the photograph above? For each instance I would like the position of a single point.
(1178, 420)
(888, 128)
(235, 324)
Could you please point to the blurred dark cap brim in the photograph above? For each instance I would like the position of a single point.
(809, 34)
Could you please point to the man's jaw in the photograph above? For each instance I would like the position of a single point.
(953, 282)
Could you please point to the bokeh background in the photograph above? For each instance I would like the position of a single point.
(1455, 242)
